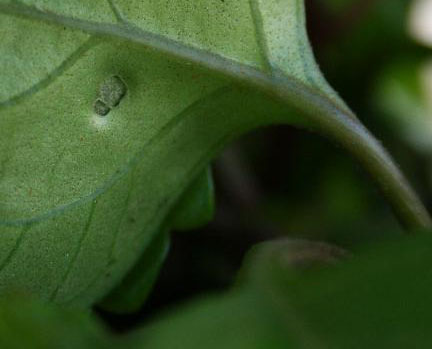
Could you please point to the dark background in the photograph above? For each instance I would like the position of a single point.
(282, 181)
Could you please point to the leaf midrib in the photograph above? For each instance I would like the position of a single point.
(240, 72)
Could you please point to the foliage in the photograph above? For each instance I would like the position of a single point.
(110, 113)
(285, 298)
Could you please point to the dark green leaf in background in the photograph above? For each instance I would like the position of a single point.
(291, 294)
(28, 323)
(378, 299)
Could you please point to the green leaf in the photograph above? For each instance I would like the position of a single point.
(196, 207)
(291, 294)
(403, 93)
(377, 299)
(130, 295)
(108, 111)
(26, 323)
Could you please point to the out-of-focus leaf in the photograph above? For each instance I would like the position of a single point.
(290, 294)
(378, 299)
(369, 35)
(29, 324)
(403, 94)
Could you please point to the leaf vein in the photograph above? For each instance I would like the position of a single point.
(13, 251)
(291, 87)
(260, 34)
(112, 247)
(159, 211)
(300, 25)
(117, 13)
(123, 170)
(52, 76)
(225, 66)
(77, 251)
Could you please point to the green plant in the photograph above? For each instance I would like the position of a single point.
(110, 115)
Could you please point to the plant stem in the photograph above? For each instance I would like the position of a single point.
(343, 127)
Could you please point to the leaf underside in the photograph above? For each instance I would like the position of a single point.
(82, 195)
(85, 186)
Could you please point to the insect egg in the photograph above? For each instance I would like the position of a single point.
(111, 92)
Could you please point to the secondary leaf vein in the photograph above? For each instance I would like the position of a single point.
(123, 170)
(77, 251)
(52, 76)
(13, 251)
(117, 13)
(260, 34)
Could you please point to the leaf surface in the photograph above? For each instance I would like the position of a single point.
(85, 183)
(28, 323)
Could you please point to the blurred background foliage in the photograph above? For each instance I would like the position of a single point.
(285, 182)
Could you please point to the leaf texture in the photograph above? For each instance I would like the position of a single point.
(82, 195)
